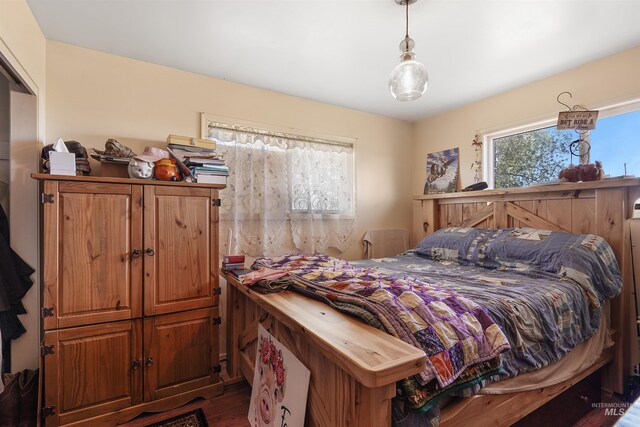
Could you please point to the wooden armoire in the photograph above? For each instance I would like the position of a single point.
(130, 295)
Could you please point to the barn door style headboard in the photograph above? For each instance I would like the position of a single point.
(600, 207)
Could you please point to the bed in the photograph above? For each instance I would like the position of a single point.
(354, 367)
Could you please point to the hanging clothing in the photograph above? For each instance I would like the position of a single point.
(15, 281)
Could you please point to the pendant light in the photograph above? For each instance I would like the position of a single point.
(409, 79)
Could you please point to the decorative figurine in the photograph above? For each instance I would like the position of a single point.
(589, 172)
(476, 166)
(570, 173)
(140, 169)
(166, 170)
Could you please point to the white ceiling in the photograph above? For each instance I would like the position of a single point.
(341, 52)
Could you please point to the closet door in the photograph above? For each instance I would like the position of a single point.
(92, 370)
(180, 352)
(180, 249)
(92, 253)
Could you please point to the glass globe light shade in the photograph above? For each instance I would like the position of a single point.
(408, 80)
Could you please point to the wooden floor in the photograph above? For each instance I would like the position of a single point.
(231, 409)
(596, 418)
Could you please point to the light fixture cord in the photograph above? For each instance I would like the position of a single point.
(407, 19)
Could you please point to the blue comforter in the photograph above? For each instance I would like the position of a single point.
(544, 289)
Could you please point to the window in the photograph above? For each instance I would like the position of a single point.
(537, 152)
(529, 157)
(285, 193)
(321, 179)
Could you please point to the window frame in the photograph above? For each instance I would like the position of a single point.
(488, 137)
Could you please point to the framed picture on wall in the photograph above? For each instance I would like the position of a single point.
(442, 172)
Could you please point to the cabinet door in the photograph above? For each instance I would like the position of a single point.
(92, 370)
(90, 272)
(181, 249)
(180, 352)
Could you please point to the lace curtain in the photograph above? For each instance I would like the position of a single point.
(285, 195)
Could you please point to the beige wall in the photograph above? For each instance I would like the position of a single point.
(22, 45)
(92, 96)
(603, 82)
(22, 42)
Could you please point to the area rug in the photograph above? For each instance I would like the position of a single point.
(194, 418)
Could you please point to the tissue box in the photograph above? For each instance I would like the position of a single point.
(62, 163)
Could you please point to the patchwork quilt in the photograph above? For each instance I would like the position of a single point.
(457, 335)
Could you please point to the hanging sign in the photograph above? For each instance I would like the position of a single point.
(579, 120)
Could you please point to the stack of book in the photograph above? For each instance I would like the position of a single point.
(240, 273)
(231, 263)
(203, 164)
(211, 171)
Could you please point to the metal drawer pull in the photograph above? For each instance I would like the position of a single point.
(149, 252)
(149, 362)
(136, 253)
(135, 365)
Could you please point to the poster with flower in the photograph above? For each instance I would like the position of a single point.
(280, 385)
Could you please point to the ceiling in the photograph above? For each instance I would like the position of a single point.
(341, 52)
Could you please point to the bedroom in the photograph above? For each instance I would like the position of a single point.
(91, 96)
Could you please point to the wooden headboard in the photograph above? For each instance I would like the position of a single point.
(601, 207)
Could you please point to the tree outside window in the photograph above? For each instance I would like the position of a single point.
(531, 157)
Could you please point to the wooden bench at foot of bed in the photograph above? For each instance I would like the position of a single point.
(354, 367)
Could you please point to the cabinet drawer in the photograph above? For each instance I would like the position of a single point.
(90, 370)
(181, 352)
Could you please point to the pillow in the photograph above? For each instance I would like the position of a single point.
(524, 246)
(585, 258)
(458, 244)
